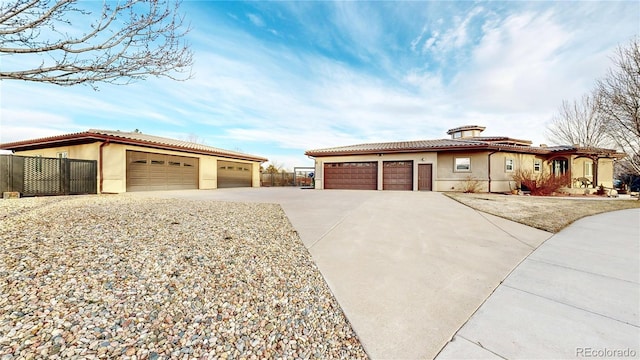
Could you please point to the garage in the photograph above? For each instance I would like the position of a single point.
(397, 175)
(150, 171)
(351, 175)
(233, 174)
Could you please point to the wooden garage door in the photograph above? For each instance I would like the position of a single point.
(233, 174)
(351, 175)
(397, 175)
(149, 171)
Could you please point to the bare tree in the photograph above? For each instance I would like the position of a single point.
(619, 103)
(194, 138)
(70, 42)
(274, 168)
(578, 123)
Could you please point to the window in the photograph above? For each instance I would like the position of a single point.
(588, 169)
(508, 165)
(560, 166)
(537, 165)
(174, 163)
(463, 164)
(157, 162)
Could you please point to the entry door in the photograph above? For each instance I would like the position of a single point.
(425, 177)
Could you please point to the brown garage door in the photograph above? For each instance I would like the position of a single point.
(149, 171)
(351, 175)
(397, 175)
(233, 174)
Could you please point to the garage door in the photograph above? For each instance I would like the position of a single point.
(351, 175)
(149, 171)
(233, 174)
(397, 175)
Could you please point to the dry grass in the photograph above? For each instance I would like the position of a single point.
(545, 213)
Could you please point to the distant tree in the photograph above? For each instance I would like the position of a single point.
(194, 138)
(125, 41)
(578, 123)
(274, 168)
(619, 103)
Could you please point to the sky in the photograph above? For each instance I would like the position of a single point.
(277, 78)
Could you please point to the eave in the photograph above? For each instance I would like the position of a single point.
(90, 137)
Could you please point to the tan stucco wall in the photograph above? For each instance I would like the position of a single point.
(84, 152)
(114, 167)
(445, 178)
(450, 180)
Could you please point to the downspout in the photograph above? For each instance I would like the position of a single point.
(489, 167)
(595, 161)
(100, 166)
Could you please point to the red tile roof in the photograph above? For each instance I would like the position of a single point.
(476, 143)
(131, 138)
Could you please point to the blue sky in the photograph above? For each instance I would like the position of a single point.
(277, 78)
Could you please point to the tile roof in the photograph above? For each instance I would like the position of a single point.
(133, 138)
(475, 143)
(401, 146)
(465, 127)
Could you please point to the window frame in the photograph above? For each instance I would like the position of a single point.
(537, 165)
(509, 165)
(456, 164)
(588, 166)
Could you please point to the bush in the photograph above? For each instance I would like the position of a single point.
(471, 185)
(541, 184)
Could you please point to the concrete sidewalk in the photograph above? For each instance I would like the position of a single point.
(408, 268)
(576, 296)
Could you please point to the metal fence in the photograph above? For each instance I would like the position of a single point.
(284, 179)
(34, 175)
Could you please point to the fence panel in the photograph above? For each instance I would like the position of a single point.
(277, 179)
(42, 176)
(284, 179)
(83, 177)
(32, 176)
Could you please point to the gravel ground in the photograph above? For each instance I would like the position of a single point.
(118, 277)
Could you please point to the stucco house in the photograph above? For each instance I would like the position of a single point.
(132, 161)
(445, 164)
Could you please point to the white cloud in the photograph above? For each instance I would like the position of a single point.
(256, 20)
(443, 41)
(277, 100)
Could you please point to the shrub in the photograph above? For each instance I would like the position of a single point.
(471, 185)
(541, 184)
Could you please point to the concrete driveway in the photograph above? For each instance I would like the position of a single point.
(408, 268)
(576, 296)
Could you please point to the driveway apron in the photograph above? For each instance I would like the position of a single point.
(576, 296)
(408, 268)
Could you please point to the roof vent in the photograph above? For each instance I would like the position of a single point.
(465, 131)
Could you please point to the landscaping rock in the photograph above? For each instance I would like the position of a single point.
(118, 276)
